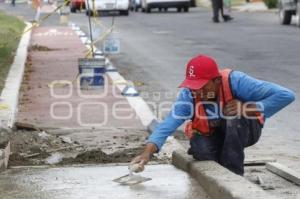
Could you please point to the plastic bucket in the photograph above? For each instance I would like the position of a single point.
(91, 73)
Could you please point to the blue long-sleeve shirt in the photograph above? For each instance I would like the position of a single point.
(269, 97)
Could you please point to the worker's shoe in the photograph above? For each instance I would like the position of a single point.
(227, 18)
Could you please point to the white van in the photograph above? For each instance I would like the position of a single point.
(108, 6)
(181, 5)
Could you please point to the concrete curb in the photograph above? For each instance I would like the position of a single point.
(10, 93)
(216, 180)
(4, 157)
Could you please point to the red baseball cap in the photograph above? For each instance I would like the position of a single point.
(199, 71)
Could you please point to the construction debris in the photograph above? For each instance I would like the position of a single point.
(284, 172)
(259, 180)
(26, 126)
(258, 162)
(44, 135)
(66, 139)
(54, 158)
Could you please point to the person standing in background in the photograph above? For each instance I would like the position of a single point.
(217, 5)
(13, 3)
(37, 6)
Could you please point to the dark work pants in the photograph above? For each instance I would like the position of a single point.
(217, 6)
(226, 146)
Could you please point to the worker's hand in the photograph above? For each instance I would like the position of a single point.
(233, 108)
(139, 162)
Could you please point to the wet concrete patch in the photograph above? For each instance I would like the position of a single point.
(96, 182)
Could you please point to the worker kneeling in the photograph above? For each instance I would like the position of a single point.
(226, 111)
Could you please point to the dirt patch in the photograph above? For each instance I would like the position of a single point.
(37, 47)
(110, 140)
(24, 98)
(32, 147)
(37, 147)
(25, 83)
(98, 156)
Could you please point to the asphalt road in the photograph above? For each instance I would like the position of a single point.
(155, 48)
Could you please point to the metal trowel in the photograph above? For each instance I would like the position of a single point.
(131, 179)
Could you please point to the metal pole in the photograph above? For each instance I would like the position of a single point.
(90, 26)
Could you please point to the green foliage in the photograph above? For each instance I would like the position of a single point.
(271, 3)
(10, 28)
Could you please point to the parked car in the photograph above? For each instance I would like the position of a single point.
(288, 8)
(147, 5)
(77, 5)
(135, 5)
(108, 6)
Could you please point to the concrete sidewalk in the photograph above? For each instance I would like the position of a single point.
(93, 182)
(53, 57)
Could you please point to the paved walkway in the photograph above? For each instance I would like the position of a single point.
(53, 57)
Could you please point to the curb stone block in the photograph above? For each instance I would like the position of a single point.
(218, 181)
(182, 160)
